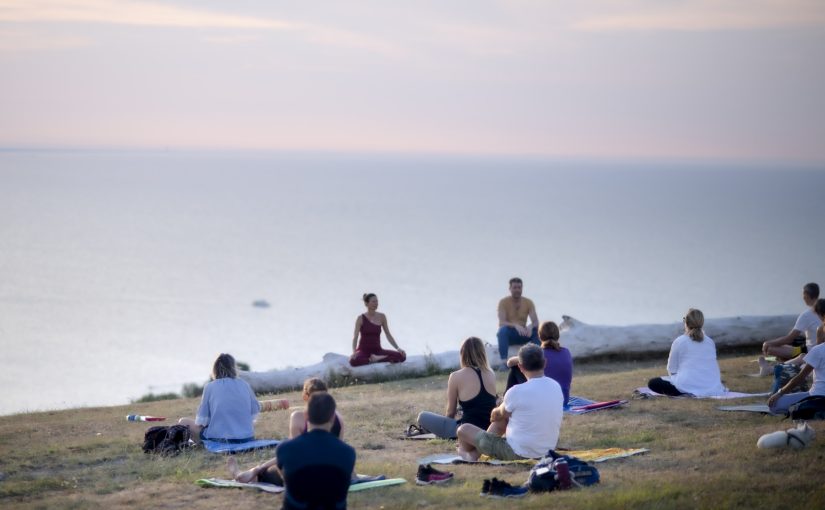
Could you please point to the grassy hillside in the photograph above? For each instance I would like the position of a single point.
(700, 457)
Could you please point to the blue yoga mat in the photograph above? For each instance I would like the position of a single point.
(255, 444)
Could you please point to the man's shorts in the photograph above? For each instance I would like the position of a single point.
(799, 350)
(495, 446)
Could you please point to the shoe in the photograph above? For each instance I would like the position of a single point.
(415, 430)
(427, 475)
(502, 489)
(485, 487)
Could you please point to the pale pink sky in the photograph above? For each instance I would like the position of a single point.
(700, 79)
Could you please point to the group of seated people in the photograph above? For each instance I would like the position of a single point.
(525, 423)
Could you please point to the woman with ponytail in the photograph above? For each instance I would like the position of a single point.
(692, 363)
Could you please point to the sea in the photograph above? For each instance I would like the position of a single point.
(125, 272)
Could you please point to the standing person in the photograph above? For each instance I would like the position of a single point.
(316, 466)
(559, 366)
(814, 361)
(473, 386)
(526, 424)
(691, 364)
(513, 312)
(368, 348)
(228, 407)
(806, 325)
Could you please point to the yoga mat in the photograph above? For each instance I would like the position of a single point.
(255, 444)
(755, 408)
(374, 485)
(594, 406)
(420, 437)
(644, 390)
(592, 455)
(222, 484)
(366, 478)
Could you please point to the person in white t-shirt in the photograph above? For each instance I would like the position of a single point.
(814, 361)
(691, 365)
(807, 325)
(526, 425)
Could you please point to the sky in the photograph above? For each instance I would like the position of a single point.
(650, 79)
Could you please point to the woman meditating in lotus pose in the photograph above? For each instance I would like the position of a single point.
(228, 407)
(473, 386)
(369, 325)
(266, 471)
(692, 363)
(559, 365)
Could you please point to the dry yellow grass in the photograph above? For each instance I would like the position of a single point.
(700, 457)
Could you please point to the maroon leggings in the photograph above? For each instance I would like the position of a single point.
(362, 356)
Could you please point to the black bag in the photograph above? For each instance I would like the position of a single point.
(811, 408)
(167, 441)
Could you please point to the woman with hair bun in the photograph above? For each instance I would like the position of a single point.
(559, 366)
(692, 363)
(368, 348)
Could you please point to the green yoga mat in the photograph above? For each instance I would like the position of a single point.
(374, 485)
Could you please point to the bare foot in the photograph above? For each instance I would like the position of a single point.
(374, 358)
(232, 466)
(765, 368)
(238, 475)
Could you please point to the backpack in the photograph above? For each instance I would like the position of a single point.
(543, 476)
(167, 441)
(811, 408)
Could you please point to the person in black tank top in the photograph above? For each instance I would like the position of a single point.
(475, 410)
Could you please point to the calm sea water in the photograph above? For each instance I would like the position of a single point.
(127, 272)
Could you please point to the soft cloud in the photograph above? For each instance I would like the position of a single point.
(28, 40)
(706, 15)
(138, 13)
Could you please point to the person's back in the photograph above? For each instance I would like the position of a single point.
(317, 468)
(228, 409)
(537, 410)
(559, 367)
(695, 366)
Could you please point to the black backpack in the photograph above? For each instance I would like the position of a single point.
(167, 441)
(811, 408)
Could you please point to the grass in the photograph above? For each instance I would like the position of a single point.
(700, 457)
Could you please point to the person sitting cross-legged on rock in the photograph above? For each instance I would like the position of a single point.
(526, 424)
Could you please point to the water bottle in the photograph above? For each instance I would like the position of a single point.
(133, 417)
(563, 474)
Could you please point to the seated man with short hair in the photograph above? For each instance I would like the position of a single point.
(316, 466)
(526, 424)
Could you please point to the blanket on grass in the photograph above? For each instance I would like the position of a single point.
(591, 455)
(644, 390)
(255, 444)
(359, 484)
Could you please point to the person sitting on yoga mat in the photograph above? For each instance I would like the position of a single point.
(526, 424)
(298, 423)
(691, 364)
(473, 386)
(228, 407)
(806, 325)
(368, 348)
(315, 467)
(559, 366)
(814, 361)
